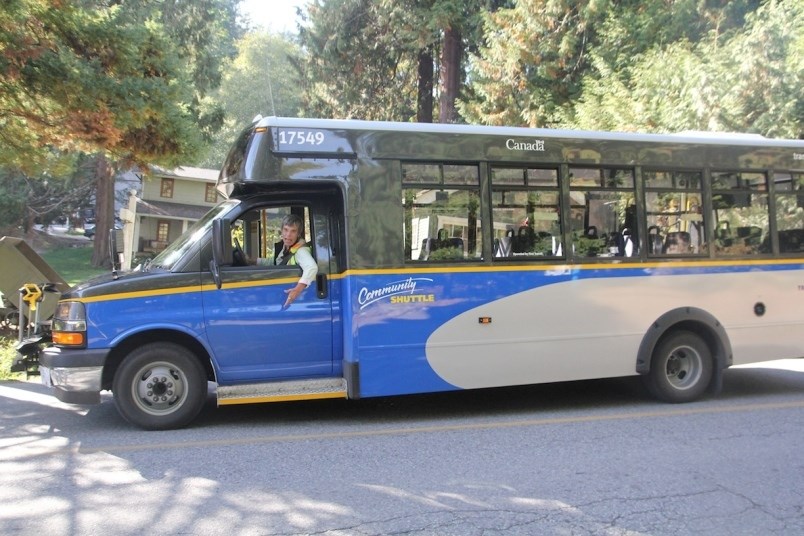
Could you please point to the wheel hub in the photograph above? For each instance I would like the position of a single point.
(160, 389)
(683, 367)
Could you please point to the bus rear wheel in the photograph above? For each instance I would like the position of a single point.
(681, 368)
(160, 386)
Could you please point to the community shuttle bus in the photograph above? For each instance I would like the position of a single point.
(452, 257)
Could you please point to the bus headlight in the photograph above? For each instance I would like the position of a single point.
(69, 326)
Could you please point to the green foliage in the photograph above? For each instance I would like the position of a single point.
(125, 79)
(742, 81)
(446, 254)
(533, 61)
(90, 79)
(7, 355)
(379, 59)
(261, 79)
(642, 66)
(63, 187)
(351, 68)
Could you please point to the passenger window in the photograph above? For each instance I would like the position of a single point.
(740, 213)
(675, 220)
(525, 212)
(441, 212)
(789, 213)
(603, 212)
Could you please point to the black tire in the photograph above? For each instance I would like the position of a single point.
(681, 368)
(160, 386)
(12, 320)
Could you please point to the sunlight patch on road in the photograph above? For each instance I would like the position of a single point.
(796, 365)
(49, 400)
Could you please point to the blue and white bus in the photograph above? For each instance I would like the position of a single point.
(453, 257)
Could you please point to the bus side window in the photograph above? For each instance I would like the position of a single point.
(789, 213)
(740, 207)
(673, 210)
(602, 209)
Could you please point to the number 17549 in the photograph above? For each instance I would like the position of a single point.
(301, 137)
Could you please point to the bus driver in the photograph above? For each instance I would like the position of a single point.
(292, 250)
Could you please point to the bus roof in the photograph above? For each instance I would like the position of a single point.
(691, 137)
(270, 151)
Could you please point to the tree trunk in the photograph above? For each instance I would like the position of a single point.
(424, 103)
(104, 212)
(450, 75)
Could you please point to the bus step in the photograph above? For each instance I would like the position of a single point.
(256, 393)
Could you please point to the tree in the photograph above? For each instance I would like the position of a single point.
(388, 59)
(353, 66)
(58, 189)
(262, 80)
(532, 62)
(740, 81)
(541, 55)
(75, 79)
(111, 78)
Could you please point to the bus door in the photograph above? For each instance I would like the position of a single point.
(254, 337)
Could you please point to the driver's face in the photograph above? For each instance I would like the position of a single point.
(290, 235)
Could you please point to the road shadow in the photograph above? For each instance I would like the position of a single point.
(740, 385)
(512, 402)
(245, 468)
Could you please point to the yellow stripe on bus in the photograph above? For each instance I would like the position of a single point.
(280, 398)
(443, 270)
(505, 267)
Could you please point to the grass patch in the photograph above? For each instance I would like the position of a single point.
(7, 355)
(73, 264)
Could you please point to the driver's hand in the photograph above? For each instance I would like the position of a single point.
(294, 293)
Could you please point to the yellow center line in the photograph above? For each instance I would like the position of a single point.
(661, 413)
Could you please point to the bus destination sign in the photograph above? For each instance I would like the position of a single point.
(309, 140)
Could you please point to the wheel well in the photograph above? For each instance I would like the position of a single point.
(118, 353)
(690, 319)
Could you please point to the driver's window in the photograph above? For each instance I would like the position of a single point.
(259, 232)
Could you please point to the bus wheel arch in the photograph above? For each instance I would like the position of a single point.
(666, 336)
(128, 345)
(180, 368)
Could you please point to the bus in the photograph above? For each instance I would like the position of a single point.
(452, 257)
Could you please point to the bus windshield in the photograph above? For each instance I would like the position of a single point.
(178, 249)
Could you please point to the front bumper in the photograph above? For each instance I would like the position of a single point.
(74, 375)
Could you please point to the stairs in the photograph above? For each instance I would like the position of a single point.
(284, 391)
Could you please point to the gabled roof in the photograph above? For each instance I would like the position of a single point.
(186, 173)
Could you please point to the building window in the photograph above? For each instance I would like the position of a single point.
(167, 188)
(211, 195)
(162, 231)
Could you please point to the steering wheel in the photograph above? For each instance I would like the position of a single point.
(238, 256)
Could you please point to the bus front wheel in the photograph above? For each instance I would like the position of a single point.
(681, 368)
(160, 386)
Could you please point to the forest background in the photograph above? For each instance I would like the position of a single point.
(91, 87)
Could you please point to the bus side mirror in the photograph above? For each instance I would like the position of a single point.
(221, 248)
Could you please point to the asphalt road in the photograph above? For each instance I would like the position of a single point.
(580, 458)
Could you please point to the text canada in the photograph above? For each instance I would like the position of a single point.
(533, 145)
